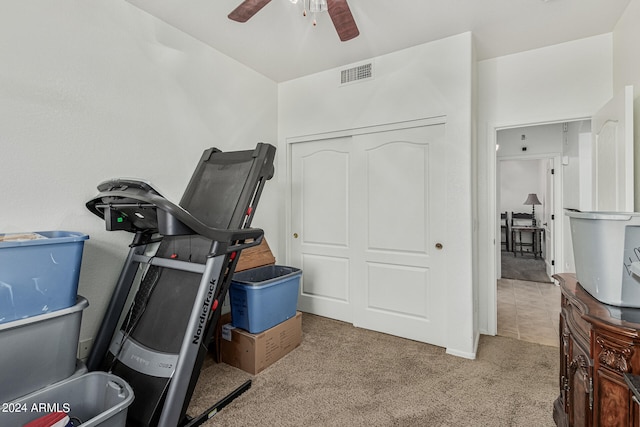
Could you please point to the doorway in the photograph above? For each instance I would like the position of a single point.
(529, 181)
(528, 193)
(526, 206)
(583, 186)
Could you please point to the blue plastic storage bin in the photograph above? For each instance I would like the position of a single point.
(39, 272)
(263, 297)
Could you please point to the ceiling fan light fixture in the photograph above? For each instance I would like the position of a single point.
(318, 6)
(338, 11)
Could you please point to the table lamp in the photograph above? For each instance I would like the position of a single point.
(532, 199)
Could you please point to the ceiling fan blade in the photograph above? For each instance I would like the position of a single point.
(343, 19)
(247, 9)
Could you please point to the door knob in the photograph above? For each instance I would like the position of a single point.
(438, 245)
(295, 235)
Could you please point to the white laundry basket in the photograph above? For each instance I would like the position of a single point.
(606, 247)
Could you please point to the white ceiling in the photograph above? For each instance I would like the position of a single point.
(281, 44)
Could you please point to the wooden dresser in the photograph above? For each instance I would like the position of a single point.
(598, 345)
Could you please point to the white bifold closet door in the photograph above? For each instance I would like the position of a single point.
(368, 228)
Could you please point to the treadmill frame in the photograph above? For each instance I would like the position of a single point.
(119, 195)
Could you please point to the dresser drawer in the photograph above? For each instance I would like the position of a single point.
(580, 328)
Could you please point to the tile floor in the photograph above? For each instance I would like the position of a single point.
(529, 311)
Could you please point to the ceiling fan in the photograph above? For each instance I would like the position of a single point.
(338, 11)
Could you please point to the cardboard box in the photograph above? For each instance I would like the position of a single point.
(256, 256)
(255, 352)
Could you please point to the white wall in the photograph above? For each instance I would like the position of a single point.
(577, 181)
(578, 168)
(518, 178)
(626, 71)
(530, 141)
(566, 81)
(94, 90)
(429, 80)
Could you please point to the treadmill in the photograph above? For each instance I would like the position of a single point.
(155, 337)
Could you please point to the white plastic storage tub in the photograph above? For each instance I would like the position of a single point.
(90, 400)
(606, 248)
(39, 272)
(38, 351)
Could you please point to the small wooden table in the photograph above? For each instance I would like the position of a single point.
(536, 239)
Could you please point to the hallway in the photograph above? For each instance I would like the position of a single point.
(529, 311)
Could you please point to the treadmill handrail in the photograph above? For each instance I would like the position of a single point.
(144, 197)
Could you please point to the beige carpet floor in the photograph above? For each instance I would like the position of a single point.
(346, 376)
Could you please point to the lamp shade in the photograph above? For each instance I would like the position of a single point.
(532, 199)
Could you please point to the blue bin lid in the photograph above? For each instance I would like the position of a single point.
(33, 238)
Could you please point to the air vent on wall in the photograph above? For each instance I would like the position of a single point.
(356, 74)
